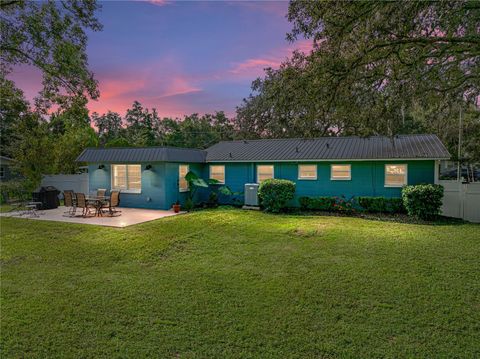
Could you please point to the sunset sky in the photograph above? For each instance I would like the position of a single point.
(180, 57)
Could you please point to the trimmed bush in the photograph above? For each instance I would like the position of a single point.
(423, 201)
(328, 204)
(317, 203)
(381, 204)
(274, 194)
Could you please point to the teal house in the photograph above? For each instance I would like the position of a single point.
(154, 177)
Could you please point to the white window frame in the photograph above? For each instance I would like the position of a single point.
(405, 181)
(332, 178)
(127, 190)
(183, 189)
(300, 177)
(273, 170)
(210, 173)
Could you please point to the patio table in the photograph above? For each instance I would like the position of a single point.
(98, 202)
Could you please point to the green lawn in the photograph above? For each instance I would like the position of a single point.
(236, 284)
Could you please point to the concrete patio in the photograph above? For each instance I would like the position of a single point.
(127, 217)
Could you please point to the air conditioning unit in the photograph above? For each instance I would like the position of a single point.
(251, 195)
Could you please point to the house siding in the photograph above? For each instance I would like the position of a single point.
(160, 184)
(171, 183)
(152, 195)
(367, 177)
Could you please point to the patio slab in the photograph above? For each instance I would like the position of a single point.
(128, 217)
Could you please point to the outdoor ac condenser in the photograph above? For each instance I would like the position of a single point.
(251, 195)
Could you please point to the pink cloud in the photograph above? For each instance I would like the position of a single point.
(110, 88)
(161, 84)
(255, 67)
(156, 2)
(180, 85)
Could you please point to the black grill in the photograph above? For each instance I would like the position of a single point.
(48, 196)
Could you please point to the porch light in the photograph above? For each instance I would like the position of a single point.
(101, 167)
(148, 167)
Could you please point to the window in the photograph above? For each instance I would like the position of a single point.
(395, 175)
(341, 173)
(308, 172)
(182, 182)
(127, 178)
(264, 172)
(218, 172)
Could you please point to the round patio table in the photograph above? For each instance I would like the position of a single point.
(98, 202)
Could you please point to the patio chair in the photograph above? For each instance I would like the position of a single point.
(101, 192)
(114, 203)
(69, 202)
(83, 203)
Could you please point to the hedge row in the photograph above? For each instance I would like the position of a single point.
(381, 204)
(367, 204)
(422, 201)
(329, 204)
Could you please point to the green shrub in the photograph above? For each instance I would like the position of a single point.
(381, 204)
(274, 194)
(328, 204)
(317, 203)
(423, 201)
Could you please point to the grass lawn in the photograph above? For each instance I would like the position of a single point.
(230, 283)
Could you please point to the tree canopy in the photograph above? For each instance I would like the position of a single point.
(50, 35)
(375, 68)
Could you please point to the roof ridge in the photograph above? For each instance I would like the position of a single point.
(142, 148)
(325, 137)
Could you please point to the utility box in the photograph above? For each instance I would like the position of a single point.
(251, 195)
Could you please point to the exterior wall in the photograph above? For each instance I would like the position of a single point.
(153, 185)
(171, 183)
(367, 177)
(159, 185)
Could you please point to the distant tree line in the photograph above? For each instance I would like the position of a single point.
(143, 127)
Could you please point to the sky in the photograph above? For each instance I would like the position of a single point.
(180, 57)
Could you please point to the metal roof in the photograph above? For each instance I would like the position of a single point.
(290, 149)
(330, 148)
(142, 154)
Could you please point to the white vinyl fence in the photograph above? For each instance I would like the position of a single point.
(77, 183)
(461, 200)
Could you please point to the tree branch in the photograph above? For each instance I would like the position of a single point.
(41, 66)
(4, 4)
